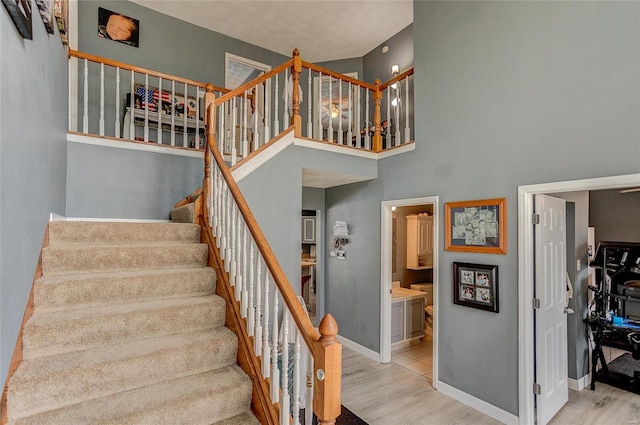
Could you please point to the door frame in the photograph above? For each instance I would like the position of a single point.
(386, 274)
(526, 346)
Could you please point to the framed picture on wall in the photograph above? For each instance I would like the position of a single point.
(117, 27)
(476, 285)
(476, 226)
(46, 12)
(61, 12)
(20, 12)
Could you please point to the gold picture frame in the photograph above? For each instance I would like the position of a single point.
(476, 226)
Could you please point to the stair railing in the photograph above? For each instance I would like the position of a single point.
(296, 371)
(129, 102)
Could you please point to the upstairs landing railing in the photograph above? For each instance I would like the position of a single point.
(320, 104)
(296, 370)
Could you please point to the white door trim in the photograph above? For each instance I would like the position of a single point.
(385, 275)
(525, 274)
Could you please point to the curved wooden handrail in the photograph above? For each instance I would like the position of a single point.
(240, 90)
(337, 75)
(308, 332)
(122, 65)
(396, 79)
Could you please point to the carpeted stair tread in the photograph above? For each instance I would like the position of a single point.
(204, 398)
(184, 214)
(83, 290)
(244, 418)
(61, 259)
(56, 381)
(61, 232)
(55, 332)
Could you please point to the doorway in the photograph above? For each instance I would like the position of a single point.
(526, 322)
(386, 273)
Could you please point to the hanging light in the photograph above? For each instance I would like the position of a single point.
(395, 69)
(334, 111)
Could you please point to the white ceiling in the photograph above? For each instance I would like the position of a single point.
(321, 29)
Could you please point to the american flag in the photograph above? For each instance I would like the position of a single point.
(151, 96)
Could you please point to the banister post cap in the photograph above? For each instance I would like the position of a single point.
(328, 327)
(296, 52)
(209, 87)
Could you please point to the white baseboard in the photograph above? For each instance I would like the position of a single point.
(359, 348)
(580, 384)
(479, 405)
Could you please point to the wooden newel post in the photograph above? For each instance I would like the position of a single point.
(327, 373)
(377, 121)
(296, 69)
(210, 129)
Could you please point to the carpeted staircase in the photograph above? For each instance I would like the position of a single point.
(127, 329)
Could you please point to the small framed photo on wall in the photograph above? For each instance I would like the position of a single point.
(476, 285)
(117, 27)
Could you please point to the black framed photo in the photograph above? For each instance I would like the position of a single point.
(46, 12)
(20, 12)
(475, 285)
(476, 226)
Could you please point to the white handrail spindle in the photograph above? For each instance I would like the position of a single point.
(185, 109)
(296, 378)
(267, 112)
(285, 404)
(85, 100)
(146, 109)
(234, 280)
(275, 376)
(350, 112)
(320, 129)
(173, 113)
(407, 134)
(358, 121)
(266, 353)
(251, 309)
(245, 141)
(309, 103)
(101, 131)
(367, 136)
(340, 135)
(159, 110)
(390, 143)
(258, 311)
(330, 111)
(132, 128)
(276, 123)
(117, 123)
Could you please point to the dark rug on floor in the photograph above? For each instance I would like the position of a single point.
(347, 417)
(625, 364)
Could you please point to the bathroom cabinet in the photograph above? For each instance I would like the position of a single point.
(419, 241)
(407, 317)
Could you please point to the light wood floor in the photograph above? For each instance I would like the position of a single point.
(388, 394)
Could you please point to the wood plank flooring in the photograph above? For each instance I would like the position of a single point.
(388, 394)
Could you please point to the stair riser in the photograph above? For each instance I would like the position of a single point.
(110, 289)
(36, 394)
(199, 399)
(115, 233)
(69, 259)
(85, 332)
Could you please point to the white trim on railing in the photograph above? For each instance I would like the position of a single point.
(123, 144)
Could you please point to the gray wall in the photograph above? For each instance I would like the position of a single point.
(507, 94)
(378, 64)
(33, 125)
(107, 182)
(615, 216)
(312, 198)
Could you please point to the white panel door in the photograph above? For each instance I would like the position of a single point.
(550, 319)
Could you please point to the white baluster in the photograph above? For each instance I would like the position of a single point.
(228, 229)
(222, 132)
(396, 110)
(319, 128)
(296, 378)
(132, 128)
(234, 122)
(233, 276)
(367, 136)
(256, 129)
(275, 376)
(407, 134)
(197, 118)
(309, 102)
(340, 135)
(223, 223)
(258, 312)
(285, 404)
(117, 124)
(146, 109)
(267, 112)
(276, 124)
(266, 354)
(85, 103)
(101, 99)
(350, 128)
(245, 141)
(388, 135)
(185, 136)
(251, 310)
(216, 204)
(288, 100)
(159, 110)
(330, 111)
(210, 199)
(173, 113)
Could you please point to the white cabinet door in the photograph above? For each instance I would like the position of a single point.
(397, 321)
(415, 317)
(419, 241)
(308, 230)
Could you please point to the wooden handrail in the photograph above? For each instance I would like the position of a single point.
(325, 71)
(240, 90)
(396, 79)
(309, 334)
(140, 70)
